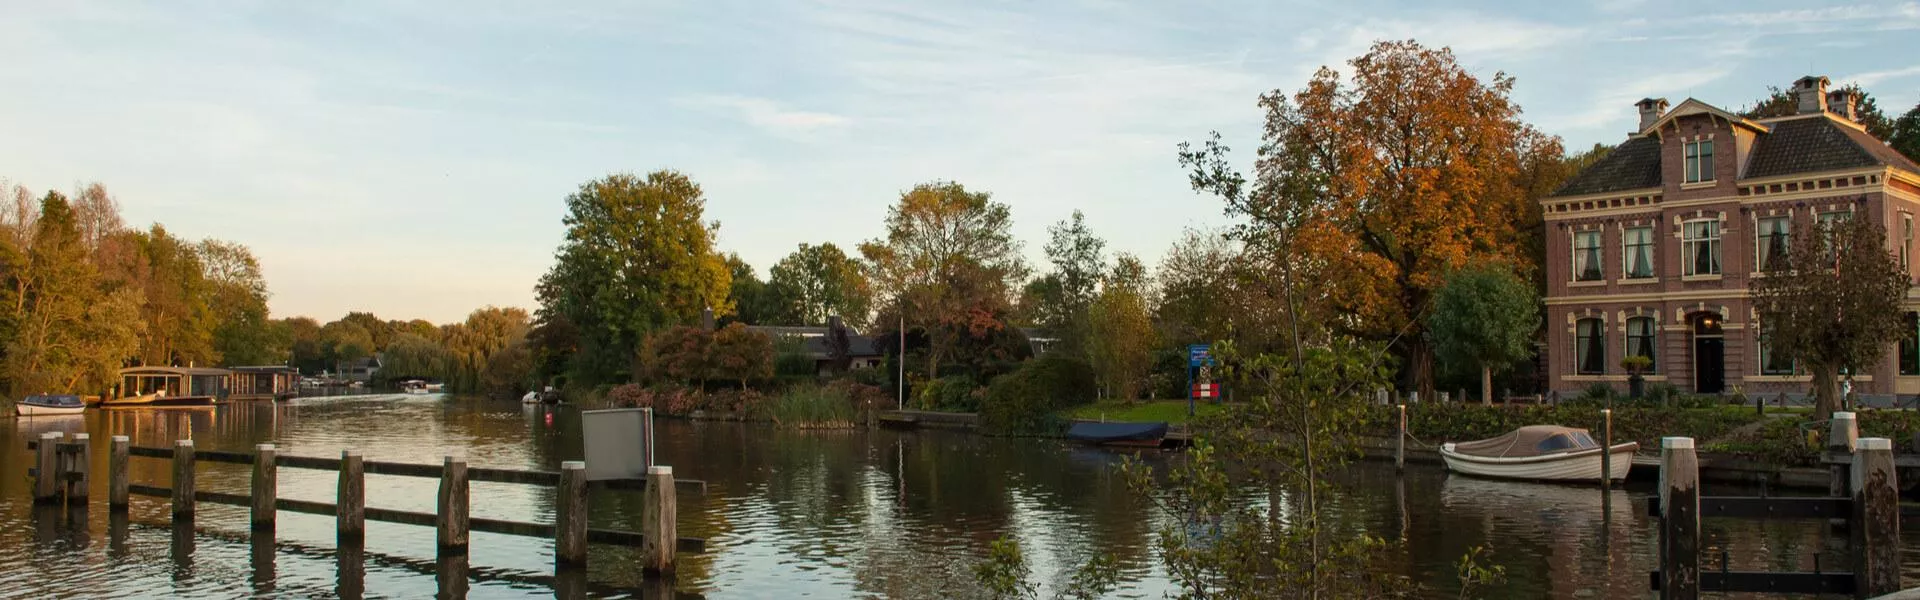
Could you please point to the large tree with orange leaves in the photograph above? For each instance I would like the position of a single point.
(1370, 188)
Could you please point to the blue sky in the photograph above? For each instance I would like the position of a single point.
(410, 158)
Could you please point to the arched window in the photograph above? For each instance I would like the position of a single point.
(1640, 339)
(1590, 347)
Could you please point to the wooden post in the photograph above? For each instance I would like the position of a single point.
(46, 464)
(659, 521)
(1400, 443)
(183, 480)
(1876, 519)
(117, 473)
(81, 462)
(265, 486)
(452, 524)
(1842, 432)
(1606, 449)
(350, 516)
(1680, 520)
(570, 515)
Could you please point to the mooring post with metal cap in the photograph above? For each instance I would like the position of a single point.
(46, 468)
(659, 522)
(453, 514)
(1679, 519)
(118, 451)
(1842, 432)
(266, 492)
(1606, 449)
(570, 515)
(183, 480)
(1876, 519)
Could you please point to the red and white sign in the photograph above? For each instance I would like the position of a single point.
(1206, 390)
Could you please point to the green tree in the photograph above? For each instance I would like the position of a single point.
(948, 258)
(509, 372)
(1120, 326)
(471, 344)
(236, 299)
(179, 324)
(1905, 134)
(754, 302)
(379, 332)
(1834, 304)
(67, 336)
(1485, 316)
(304, 344)
(637, 258)
(343, 342)
(1059, 301)
(409, 355)
(821, 281)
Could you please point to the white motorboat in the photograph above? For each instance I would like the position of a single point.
(1539, 453)
(530, 398)
(414, 387)
(49, 404)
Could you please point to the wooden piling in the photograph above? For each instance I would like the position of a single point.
(1842, 432)
(183, 479)
(81, 464)
(659, 522)
(1680, 519)
(1876, 519)
(46, 465)
(117, 472)
(1400, 443)
(570, 515)
(350, 516)
(1606, 452)
(265, 486)
(452, 522)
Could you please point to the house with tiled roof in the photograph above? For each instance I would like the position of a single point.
(1650, 249)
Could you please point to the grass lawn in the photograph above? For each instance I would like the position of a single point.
(1171, 411)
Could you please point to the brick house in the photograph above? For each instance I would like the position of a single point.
(1649, 250)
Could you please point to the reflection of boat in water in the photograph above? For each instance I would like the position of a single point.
(158, 400)
(1538, 453)
(1142, 434)
(42, 405)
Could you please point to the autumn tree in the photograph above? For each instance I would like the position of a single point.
(949, 259)
(471, 344)
(736, 353)
(637, 257)
(66, 335)
(1484, 316)
(1834, 304)
(1120, 330)
(343, 342)
(681, 354)
(1059, 300)
(168, 271)
(1384, 181)
(816, 282)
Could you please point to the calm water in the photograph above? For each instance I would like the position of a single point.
(787, 514)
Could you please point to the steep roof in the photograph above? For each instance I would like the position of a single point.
(1634, 164)
(1810, 145)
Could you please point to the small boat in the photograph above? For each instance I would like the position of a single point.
(414, 387)
(1146, 434)
(434, 387)
(1538, 453)
(49, 404)
(530, 398)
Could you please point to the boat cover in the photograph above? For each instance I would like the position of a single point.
(1117, 432)
(1532, 440)
(59, 401)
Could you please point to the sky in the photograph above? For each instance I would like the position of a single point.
(412, 158)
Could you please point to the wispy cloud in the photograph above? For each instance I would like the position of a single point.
(1872, 78)
(768, 114)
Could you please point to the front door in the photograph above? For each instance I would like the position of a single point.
(1709, 365)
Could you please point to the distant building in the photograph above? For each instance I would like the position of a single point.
(815, 343)
(1038, 340)
(362, 370)
(1649, 250)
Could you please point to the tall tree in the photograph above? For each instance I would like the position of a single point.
(637, 257)
(1834, 303)
(822, 281)
(66, 335)
(1781, 103)
(304, 344)
(409, 355)
(343, 342)
(237, 302)
(472, 344)
(1905, 134)
(1059, 300)
(179, 326)
(948, 258)
(1484, 316)
(1121, 327)
(740, 354)
(754, 303)
(1385, 181)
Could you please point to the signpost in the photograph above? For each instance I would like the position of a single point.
(618, 442)
(1199, 377)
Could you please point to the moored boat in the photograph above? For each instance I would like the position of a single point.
(414, 387)
(1539, 453)
(1148, 434)
(49, 404)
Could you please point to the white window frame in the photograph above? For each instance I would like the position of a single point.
(1596, 251)
(1687, 253)
(1626, 254)
(1653, 341)
(1699, 165)
(1760, 240)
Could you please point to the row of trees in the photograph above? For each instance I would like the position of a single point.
(487, 353)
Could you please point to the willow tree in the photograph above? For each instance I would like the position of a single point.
(1384, 182)
(1834, 304)
(949, 261)
(638, 256)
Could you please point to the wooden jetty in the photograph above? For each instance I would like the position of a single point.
(919, 419)
(61, 474)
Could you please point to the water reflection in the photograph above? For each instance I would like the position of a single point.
(828, 514)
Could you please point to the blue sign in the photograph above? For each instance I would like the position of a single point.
(1199, 355)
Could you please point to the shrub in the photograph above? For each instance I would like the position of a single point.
(1660, 392)
(951, 393)
(1598, 391)
(631, 395)
(814, 406)
(1025, 400)
(793, 365)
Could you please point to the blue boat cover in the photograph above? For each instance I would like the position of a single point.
(1117, 432)
(59, 401)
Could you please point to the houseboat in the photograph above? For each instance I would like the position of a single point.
(271, 382)
(171, 386)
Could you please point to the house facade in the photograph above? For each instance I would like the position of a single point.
(1650, 250)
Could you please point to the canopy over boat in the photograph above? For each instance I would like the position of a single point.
(1532, 440)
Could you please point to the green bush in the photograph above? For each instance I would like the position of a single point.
(788, 365)
(1436, 423)
(954, 393)
(1659, 393)
(1599, 391)
(1025, 400)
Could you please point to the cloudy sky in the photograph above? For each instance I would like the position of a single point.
(410, 158)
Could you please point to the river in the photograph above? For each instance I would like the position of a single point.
(786, 514)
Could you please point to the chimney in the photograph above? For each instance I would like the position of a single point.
(833, 323)
(1650, 111)
(1811, 92)
(1844, 102)
(706, 318)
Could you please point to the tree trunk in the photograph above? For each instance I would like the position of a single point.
(1420, 365)
(1486, 386)
(1826, 391)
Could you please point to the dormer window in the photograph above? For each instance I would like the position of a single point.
(1699, 161)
